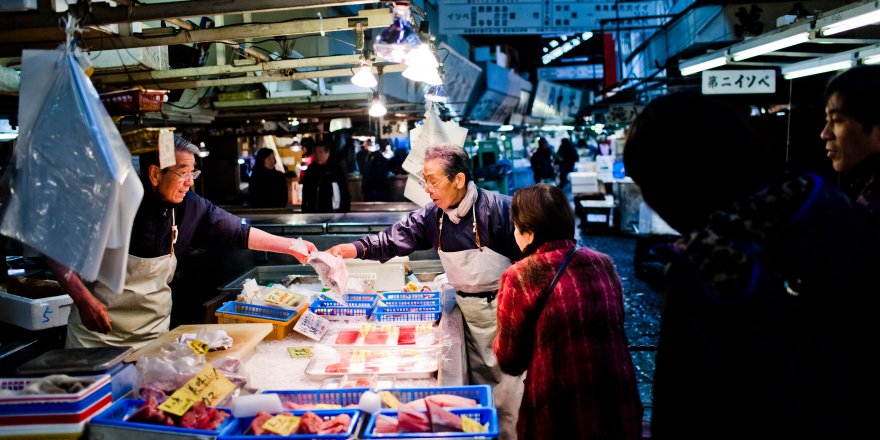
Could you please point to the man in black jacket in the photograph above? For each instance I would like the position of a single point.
(325, 185)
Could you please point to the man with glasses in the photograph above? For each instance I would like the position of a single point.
(473, 234)
(169, 219)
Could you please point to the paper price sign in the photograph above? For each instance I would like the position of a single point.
(209, 386)
(300, 352)
(312, 325)
(166, 148)
(470, 425)
(198, 347)
(282, 424)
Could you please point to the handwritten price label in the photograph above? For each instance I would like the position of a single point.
(300, 352)
(198, 347)
(282, 424)
(209, 386)
(389, 400)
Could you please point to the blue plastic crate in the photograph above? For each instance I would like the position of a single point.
(255, 311)
(333, 309)
(407, 314)
(410, 295)
(117, 414)
(52, 403)
(409, 302)
(372, 297)
(237, 430)
(344, 397)
(481, 415)
(481, 393)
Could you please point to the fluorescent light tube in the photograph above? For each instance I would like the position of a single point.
(770, 46)
(695, 65)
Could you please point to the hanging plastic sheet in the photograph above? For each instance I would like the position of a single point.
(432, 131)
(73, 190)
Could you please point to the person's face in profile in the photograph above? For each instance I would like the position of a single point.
(173, 184)
(322, 155)
(846, 142)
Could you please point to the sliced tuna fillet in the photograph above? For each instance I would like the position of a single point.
(441, 419)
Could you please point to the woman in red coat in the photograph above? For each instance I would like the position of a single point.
(580, 382)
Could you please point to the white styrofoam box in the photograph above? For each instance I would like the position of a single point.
(35, 314)
(135, 58)
(388, 276)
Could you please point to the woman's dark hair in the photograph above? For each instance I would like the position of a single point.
(691, 156)
(858, 94)
(453, 160)
(544, 211)
(260, 159)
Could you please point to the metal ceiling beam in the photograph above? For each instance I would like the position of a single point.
(102, 13)
(292, 100)
(327, 73)
(368, 18)
(173, 74)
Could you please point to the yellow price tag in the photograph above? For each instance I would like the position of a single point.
(424, 328)
(327, 406)
(209, 386)
(282, 424)
(198, 347)
(366, 328)
(470, 425)
(300, 352)
(389, 399)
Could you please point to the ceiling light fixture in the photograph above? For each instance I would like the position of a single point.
(851, 18)
(399, 37)
(377, 110)
(767, 43)
(364, 76)
(437, 94)
(816, 66)
(704, 62)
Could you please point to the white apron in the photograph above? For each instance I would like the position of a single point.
(475, 271)
(141, 312)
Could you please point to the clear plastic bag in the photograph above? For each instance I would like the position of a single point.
(73, 192)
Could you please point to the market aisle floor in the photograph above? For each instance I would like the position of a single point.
(642, 304)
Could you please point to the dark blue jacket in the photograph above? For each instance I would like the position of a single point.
(420, 231)
(198, 220)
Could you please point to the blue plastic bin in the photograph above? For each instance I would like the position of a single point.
(344, 397)
(52, 403)
(237, 430)
(481, 393)
(117, 414)
(255, 311)
(372, 297)
(333, 309)
(409, 295)
(481, 415)
(409, 302)
(407, 314)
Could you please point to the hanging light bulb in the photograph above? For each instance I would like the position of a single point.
(437, 94)
(364, 76)
(377, 110)
(422, 56)
(399, 37)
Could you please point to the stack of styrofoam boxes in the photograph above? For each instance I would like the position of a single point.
(584, 183)
(50, 415)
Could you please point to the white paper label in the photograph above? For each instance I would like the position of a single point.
(312, 325)
(166, 149)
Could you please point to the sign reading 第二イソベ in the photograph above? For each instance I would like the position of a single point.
(739, 82)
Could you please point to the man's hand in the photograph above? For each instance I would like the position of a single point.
(310, 247)
(346, 251)
(93, 314)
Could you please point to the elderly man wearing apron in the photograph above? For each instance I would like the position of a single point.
(169, 219)
(473, 234)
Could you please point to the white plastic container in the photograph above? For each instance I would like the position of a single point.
(35, 314)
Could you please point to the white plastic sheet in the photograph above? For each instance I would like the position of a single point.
(433, 131)
(73, 190)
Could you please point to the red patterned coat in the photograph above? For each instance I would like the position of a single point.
(580, 382)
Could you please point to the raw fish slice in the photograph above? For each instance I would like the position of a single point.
(408, 338)
(385, 424)
(332, 271)
(410, 420)
(347, 337)
(451, 401)
(340, 367)
(442, 420)
(310, 423)
(257, 423)
(336, 425)
(376, 338)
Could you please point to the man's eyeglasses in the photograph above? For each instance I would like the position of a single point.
(431, 189)
(194, 174)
